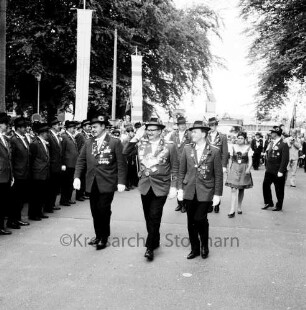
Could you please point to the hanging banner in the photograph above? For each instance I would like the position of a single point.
(136, 89)
(83, 64)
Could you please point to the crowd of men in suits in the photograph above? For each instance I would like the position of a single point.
(188, 164)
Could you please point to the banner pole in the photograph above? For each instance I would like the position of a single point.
(114, 78)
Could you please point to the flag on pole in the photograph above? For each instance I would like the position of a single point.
(292, 122)
(83, 63)
(136, 89)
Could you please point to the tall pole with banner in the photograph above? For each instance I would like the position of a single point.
(136, 89)
(114, 97)
(83, 62)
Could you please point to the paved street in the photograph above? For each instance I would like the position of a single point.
(261, 264)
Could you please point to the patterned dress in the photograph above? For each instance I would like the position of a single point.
(237, 176)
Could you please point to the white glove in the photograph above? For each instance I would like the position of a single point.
(121, 188)
(279, 174)
(224, 169)
(216, 200)
(180, 195)
(77, 184)
(63, 168)
(140, 132)
(172, 193)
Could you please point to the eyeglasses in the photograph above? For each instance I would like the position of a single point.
(151, 130)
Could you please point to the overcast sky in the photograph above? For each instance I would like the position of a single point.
(233, 87)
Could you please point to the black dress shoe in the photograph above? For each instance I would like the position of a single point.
(44, 216)
(178, 208)
(183, 209)
(56, 208)
(71, 202)
(217, 209)
(239, 212)
(230, 215)
(193, 254)
(65, 204)
(266, 206)
(13, 225)
(22, 223)
(149, 255)
(34, 218)
(204, 252)
(80, 199)
(276, 209)
(49, 211)
(94, 241)
(101, 244)
(86, 197)
(5, 232)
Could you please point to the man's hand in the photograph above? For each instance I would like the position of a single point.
(12, 182)
(172, 193)
(224, 169)
(77, 184)
(248, 171)
(121, 188)
(140, 133)
(180, 195)
(279, 174)
(63, 168)
(216, 200)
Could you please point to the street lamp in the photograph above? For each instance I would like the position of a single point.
(38, 78)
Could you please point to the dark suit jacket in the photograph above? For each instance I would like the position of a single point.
(277, 158)
(162, 174)
(70, 151)
(39, 161)
(20, 158)
(55, 152)
(257, 149)
(108, 167)
(180, 144)
(80, 139)
(205, 178)
(221, 143)
(6, 173)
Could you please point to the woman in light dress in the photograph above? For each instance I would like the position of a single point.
(239, 176)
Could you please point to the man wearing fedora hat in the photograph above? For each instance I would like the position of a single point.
(70, 155)
(106, 172)
(39, 172)
(180, 138)
(200, 185)
(158, 170)
(80, 138)
(277, 159)
(21, 171)
(257, 147)
(219, 140)
(55, 150)
(6, 175)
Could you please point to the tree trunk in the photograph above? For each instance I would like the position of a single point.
(2, 54)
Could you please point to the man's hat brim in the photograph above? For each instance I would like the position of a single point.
(161, 126)
(200, 127)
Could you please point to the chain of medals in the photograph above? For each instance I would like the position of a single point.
(275, 150)
(104, 149)
(202, 166)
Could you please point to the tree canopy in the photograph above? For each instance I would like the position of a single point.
(41, 38)
(280, 44)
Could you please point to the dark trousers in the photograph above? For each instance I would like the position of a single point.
(279, 184)
(153, 211)
(54, 189)
(5, 191)
(20, 195)
(256, 160)
(80, 193)
(198, 226)
(67, 185)
(100, 205)
(39, 198)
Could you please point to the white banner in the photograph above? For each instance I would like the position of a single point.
(83, 64)
(136, 89)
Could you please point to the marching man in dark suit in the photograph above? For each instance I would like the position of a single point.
(6, 175)
(40, 173)
(219, 140)
(257, 147)
(70, 155)
(277, 159)
(180, 138)
(21, 171)
(200, 184)
(55, 150)
(158, 177)
(106, 171)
